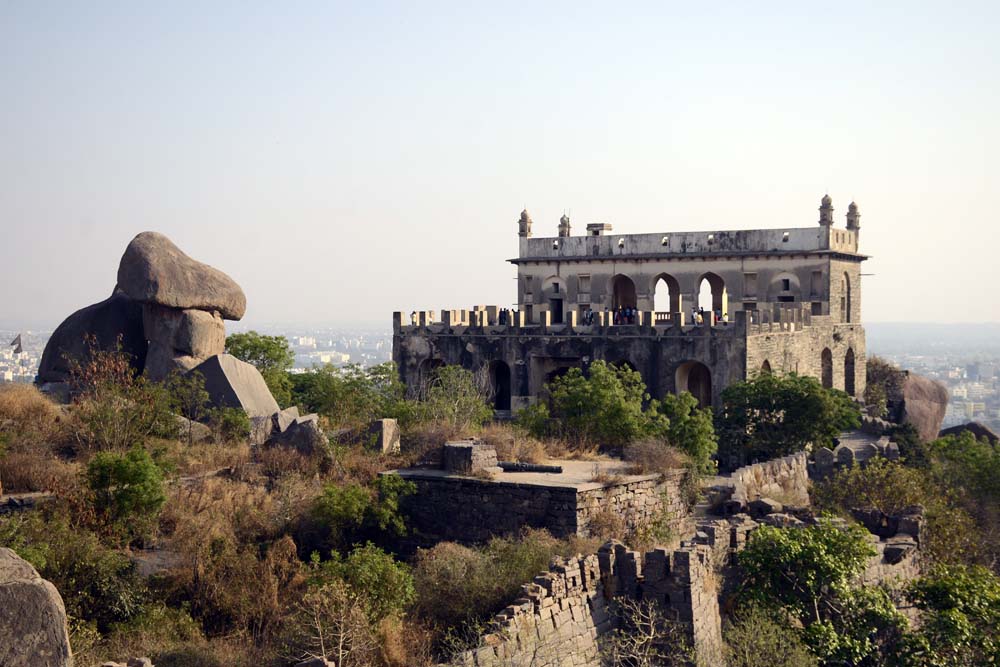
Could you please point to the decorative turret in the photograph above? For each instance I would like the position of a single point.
(826, 211)
(524, 225)
(853, 217)
(564, 225)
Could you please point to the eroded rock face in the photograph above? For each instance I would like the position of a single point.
(33, 630)
(116, 316)
(924, 404)
(180, 339)
(153, 270)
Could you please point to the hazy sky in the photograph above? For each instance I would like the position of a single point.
(344, 161)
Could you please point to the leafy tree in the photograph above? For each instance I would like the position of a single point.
(454, 397)
(689, 428)
(774, 415)
(810, 574)
(960, 617)
(188, 397)
(350, 514)
(127, 489)
(758, 637)
(272, 357)
(386, 583)
(352, 396)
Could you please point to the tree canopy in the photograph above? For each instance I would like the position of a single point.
(272, 357)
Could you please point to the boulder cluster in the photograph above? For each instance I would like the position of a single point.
(167, 313)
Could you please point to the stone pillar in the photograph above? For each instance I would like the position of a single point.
(492, 315)
(397, 321)
(422, 318)
(571, 319)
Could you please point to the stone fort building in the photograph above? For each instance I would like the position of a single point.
(782, 300)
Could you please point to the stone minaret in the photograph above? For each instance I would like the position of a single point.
(564, 225)
(524, 225)
(853, 217)
(826, 211)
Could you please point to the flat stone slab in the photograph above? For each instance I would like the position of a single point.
(575, 475)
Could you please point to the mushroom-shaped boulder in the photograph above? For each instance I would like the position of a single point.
(154, 270)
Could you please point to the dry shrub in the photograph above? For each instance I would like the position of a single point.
(357, 464)
(606, 525)
(405, 643)
(278, 462)
(655, 456)
(200, 457)
(422, 442)
(28, 419)
(599, 475)
(24, 472)
(513, 445)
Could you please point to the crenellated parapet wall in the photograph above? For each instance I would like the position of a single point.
(563, 613)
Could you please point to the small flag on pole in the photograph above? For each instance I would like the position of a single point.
(16, 343)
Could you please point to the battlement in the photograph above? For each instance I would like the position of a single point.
(684, 245)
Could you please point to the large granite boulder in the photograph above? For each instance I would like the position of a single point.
(977, 429)
(33, 630)
(117, 316)
(154, 270)
(180, 339)
(237, 384)
(924, 404)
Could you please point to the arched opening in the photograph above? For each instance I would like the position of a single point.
(765, 368)
(554, 293)
(666, 297)
(845, 298)
(826, 361)
(623, 292)
(712, 295)
(849, 371)
(694, 377)
(500, 381)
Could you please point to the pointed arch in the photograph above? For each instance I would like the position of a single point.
(826, 365)
(696, 378)
(765, 368)
(849, 379)
(622, 292)
(715, 297)
(666, 292)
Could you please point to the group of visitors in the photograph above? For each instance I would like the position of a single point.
(504, 317)
(699, 316)
(625, 315)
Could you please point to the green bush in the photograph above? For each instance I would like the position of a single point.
(350, 514)
(386, 583)
(230, 424)
(454, 397)
(960, 617)
(757, 637)
(98, 585)
(353, 396)
(773, 415)
(810, 574)
(690, 429)
(127, 489)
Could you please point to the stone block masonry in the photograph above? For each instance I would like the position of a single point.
(468, 509)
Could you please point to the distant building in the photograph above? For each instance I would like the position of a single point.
(781, 300)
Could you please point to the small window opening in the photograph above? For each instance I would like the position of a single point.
(665, 241)
(786, 284)
(621, 243)
(784, 237)
(555, 245)
(711, 238)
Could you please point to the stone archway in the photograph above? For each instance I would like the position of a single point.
(696, 378)
(500, 384)
(666, 295)
(849, 372)
(765, 368)
(826, 365)
(715, 298)
(622, 292)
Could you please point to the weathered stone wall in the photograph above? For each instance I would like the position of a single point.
(471, 510)
(785, 479)
(564, 612)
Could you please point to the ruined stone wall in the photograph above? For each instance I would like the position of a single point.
(564, 612)
(785, 480)
(470, 510)
(801, 351)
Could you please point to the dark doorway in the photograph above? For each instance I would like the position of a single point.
(500, 378)
(849, 372)
(826, 361)
(696, 378)
(556, 308)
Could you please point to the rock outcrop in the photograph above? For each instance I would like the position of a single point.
(924, 403)
(236, 384)
(975, 428)
(117, 317)
(154, 270)
(33, 630)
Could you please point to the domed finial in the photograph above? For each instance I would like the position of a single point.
(826, 211)
(564, 225)
(524, 224)
(853, 217)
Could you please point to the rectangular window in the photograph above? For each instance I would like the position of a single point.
(817, 308)
(786, 284)
(555, 287)
(527, 284)
(583, 283)
(750, 285)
